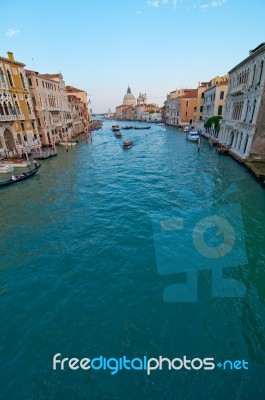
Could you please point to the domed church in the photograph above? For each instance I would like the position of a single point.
(129, 99)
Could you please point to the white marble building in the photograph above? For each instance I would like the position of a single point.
(242, 128)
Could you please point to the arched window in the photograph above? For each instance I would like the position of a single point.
(6, 108)
(22, 80)
(261, 70)
(247, 110)
(2, 78)
(10, 108)
(246, 144)
(17, 108)
(9, 78)
(29, 109)
(253, 77)
(1, 110)
(253, 110)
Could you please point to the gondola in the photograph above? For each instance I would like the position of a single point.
(142, 127)
(22, 178)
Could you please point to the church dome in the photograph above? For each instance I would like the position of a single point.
(129, 98)
(141, 99)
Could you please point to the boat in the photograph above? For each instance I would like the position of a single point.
(161, 124)
(127, 127)
(67, 143)
(118, 134)
(142, 127)
(127, 144)
(186, 128)
(115, 128)
(21, 177)
(43, 155)
(193, 136)
(4, 169)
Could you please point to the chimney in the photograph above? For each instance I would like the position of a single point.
(10, 56)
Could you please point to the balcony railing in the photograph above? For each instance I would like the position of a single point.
(8, 117)
(239, 89)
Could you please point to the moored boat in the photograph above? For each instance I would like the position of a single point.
(67, 143)
(115, 128)
(21, 177)
(118, 134)
(4, 169)
(127, 144)
(193, 136)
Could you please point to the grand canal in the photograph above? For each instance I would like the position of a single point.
(83, 273)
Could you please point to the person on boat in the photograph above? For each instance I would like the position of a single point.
(13, 178)
(34, 162)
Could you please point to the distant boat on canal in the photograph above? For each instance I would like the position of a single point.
(115, 128)
(118, 134)
(127, 144)
(141, 127)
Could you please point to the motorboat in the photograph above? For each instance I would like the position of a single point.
(193, 136)
(127, 144)
(186, 128)
(118, 134)
(115, 128)
(68, 143)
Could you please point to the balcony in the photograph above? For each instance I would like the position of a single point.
(8, 117)
(238, 90)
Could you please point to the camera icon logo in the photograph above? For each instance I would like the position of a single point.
(198, 239)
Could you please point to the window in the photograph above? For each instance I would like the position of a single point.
(187, 103)
(201, 108)
(253, 111)
(222, 95)
(22, 126)
(34, 101)
(37, 83)
(261, 70)
(35, 136)
(33, 126)
(254, 70)
(2, 79)
(22, 80)
(30, 82)
(220, 110)
(202, 96)
(25, 138)
(9, 78)
(17, 108)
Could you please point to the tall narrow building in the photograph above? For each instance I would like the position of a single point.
(18, 128)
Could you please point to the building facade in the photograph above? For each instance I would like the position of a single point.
(243, 126)
(18, 128)
(186, 107)
(214, 98)
(51, 106)
(77, 115)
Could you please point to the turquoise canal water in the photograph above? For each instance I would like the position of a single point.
(87, 270)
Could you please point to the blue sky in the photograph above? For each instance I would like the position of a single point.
(155, 46)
